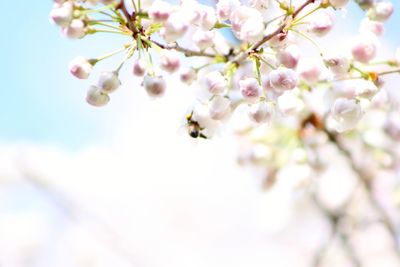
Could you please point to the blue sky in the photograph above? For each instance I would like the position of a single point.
(39, 101)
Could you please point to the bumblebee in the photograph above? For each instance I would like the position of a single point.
(193, 127)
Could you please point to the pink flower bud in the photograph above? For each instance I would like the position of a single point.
(247, 24)
(366, 89)
(75, 30)
(371, 26)
(62, 15)
(170, 61)
(174, 28)
(250, 89)
(346, 113)
(219, 107)
(203, 39)
(188, 75)
(109, 82)
(266, 84)
(283, 78)
(226, 7)
(289, 56)
(262, 112)
(155, 85)
(338, 64)
(160, 11)
(80, 67)
(96, 97)
(321, 24)
(381, 11)
(259, 4)
(364, 48)
(338, 3)
(139, 68)
(310, 72)
(215, 82)
(208, 17)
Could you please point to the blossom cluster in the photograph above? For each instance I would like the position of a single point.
(252, 55)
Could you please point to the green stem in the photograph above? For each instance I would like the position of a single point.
(364, 75)
(308, 38)
(113, 53)
(389, 72)
(307, 14)
(134, 6)
(96, 22)
(109, 31)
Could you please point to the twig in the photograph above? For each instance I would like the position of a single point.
(240, 57)
(185, 51)
(365, 181)
(334, 220)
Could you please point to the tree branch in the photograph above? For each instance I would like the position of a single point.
(185, 51)
(365, 181)
(242, 56)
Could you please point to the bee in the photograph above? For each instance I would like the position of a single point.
(193, 127)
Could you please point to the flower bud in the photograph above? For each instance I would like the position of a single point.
(108, 81)
(216, 83)
(219, 107)
(80, 67)
(283, 79)
(188, 75)
(203, 39)
(338, 3)
(366, 89)
(208, 17)
(346, 113)
(155, 85)
(170, 61)
(371, 26)
(310, 72)
(247, 24)
(226, 7)
(250, 89)
(364, 48)
(62, 15)
(139, 68)
(289, 104)
(289, 56)
(338, 64)
(75, 30)
(174, 28)
(262, 112)
(266, 84)
(259, 4)
(159, 11)
(321, 24)
(96, 97)
(381, 11)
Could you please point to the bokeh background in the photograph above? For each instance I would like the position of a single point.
(123, 185)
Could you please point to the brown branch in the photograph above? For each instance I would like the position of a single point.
(242, 56)
(365, 181)
(185, 51)
(296, 12)
(335, 220)
(130, 18)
